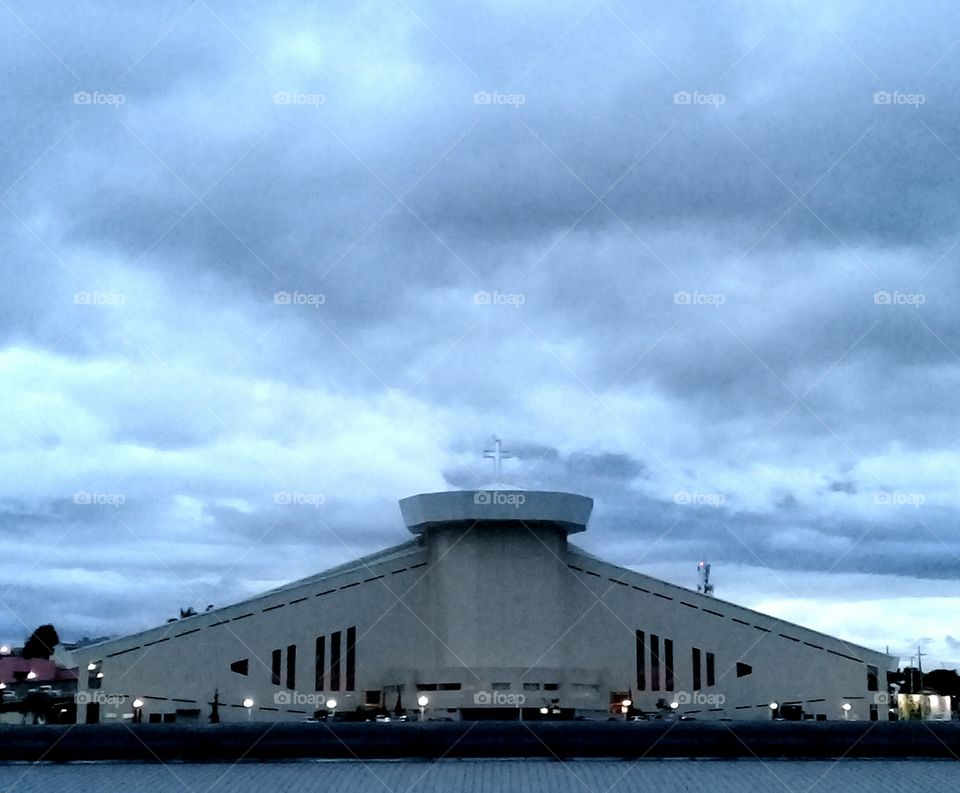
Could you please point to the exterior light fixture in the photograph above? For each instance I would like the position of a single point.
(91, 666)
(544, 711)
(248, 703)
(31, 675)
(846, 706)
(138, 703)
(674, 705)
(99, 675)
(423, 701)
(331, 704)
(774, 705)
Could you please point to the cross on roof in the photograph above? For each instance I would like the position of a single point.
(497, 454)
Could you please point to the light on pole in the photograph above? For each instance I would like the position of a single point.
(248, 704)
(422, 701)
(332, 707)
(137, 710)
(846, 710)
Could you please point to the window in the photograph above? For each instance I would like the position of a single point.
(641, 662)
(372, 697)
(448, 686)
(711, 669)
(743, 669)
(275, 667)
(695, 661)
(319, 663)
(292, 666)
(335, 661)
(531, 686)
(873, 681)
(668, 663)
(351, 658)
(874, 713)
(654, 662)
(241, 667)
(551, 686)
(500, 686)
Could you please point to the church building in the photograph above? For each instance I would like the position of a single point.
(489, 611)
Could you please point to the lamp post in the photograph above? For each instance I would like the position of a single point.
(137, 711)
(774, 708)
(422, 701)
(248, 704)
(332, 707)
(846, 710)
(625, 707)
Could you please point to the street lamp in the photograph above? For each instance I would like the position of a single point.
(625, 706)
(248, 704)
(91, 666)
(846, 709)
(674, 705)
(31, 675)
(774, 707)
(332, 706)
(422, 701)
(137, 710)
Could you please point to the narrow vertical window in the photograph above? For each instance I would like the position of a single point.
(695, 658)
(654, 662)
(275, 667)
(711, 669)
(335, 661)
(319, 663)
(668, 664)
(292, 666)
(641, 662)
(873, 678)
(351, 658)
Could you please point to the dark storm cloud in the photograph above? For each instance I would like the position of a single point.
(697, 262)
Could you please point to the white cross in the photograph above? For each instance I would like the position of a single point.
(497, 454)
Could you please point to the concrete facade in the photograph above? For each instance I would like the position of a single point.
(488, 612)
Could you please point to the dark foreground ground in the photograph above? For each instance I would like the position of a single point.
(491, 776)
(558, 740)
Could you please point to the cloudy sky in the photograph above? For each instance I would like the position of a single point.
(697, 260)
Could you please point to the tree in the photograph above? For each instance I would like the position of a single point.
(41, 643)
